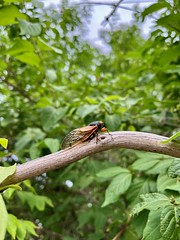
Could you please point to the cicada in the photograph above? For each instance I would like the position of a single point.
(83, 134)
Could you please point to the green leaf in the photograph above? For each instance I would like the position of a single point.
(169, 224)
(154, 8)
(154, 200)
(139, 222)
(8, 193)
(29, 58)
(21, 231)
(118, 186)
(4, 142)
(113, 122)
(12, 225)
(33, 29)
(91, 100)
(140, 186)
(6, 2)
(5, 172)
(95, 235)
(152, 229)
(169, 56)
(50, 116)
(172, 69)
(43, 102)
(171, 22)
(44, 46)
(84, 218)
(20, 46)
(34, 201)
(3, 65)
(160, 167)
(86, 109)
(144, 164)
(174, 187)
(111, 172)
(34, 151)
(172, 138)
(132, 101)
(9, 15)
(84, 181)
(3, 218)
(164, 181)
(28, 185)
(99, 220)
(15, 186)
(130, 234)
(112, 97)
(174, 169)
(68, 238)
(52, 144)
(22, 142)
(29, 226)
(29, 135)
(151, 201)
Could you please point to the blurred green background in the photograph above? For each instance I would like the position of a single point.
(52, 80)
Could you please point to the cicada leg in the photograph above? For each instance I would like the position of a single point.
(97, 139)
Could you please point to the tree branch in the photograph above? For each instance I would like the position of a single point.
(115, 6)
(112, 12)
(123, 139)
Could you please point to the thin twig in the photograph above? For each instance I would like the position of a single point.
(104, 22)
(120, 233)
(108, 4)
(114, 5)
(122, 230)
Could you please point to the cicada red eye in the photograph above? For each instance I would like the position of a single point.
(104, 129)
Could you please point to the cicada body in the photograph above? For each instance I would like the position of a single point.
(83, 134)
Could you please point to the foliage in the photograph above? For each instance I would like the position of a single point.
(163, 220)
(3, 142)
(53, 80)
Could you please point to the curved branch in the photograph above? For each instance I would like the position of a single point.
(123, 139)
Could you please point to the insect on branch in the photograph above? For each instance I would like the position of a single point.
(123, 139)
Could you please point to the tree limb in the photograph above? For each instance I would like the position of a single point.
(123, 139)
(112, 12)
(108, 4)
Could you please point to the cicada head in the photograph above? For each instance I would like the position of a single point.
(99, 124)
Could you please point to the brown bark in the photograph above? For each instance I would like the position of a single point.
(132, 140)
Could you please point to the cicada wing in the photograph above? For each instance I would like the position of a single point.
(87, 129)
(74, 137)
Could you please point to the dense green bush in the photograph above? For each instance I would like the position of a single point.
(51, 81)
